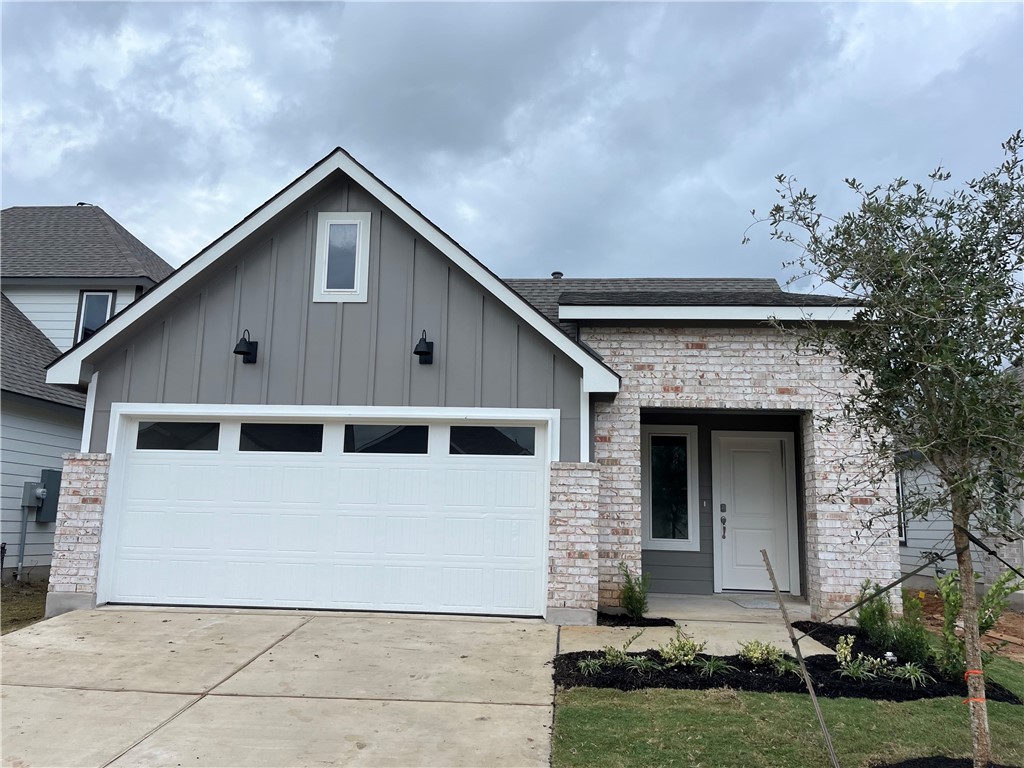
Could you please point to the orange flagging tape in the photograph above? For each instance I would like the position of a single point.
(968, 701)
(970, 672)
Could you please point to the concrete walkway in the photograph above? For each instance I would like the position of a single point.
(193, 687)
(724, 621)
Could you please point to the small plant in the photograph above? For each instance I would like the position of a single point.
(912, 673)
(906, 636)
(875, 616)
(861, 668)
(759, 653)
(634, 592)
(710, 666)
(589, 667)
(786, 665)
(642, 665)
(844, 649)
(681, 650)
(618, 657)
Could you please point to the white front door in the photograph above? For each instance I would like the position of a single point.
(754, 509)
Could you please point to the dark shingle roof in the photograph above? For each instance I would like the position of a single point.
(73, 241)
(547, 294)
(24, 354)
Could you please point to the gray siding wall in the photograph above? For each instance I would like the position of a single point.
(339, 354)
(33, 436)
(692, 573)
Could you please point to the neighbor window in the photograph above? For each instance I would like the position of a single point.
(492, 441)
(901, 506)
(94, 309)
(342, 257)
(669, 488)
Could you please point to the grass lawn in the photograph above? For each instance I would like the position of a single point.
(21, 604)
(724, 728)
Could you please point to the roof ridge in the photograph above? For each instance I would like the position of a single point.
(117, 238)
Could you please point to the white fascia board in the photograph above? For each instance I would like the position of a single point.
(596, 376)
(716, 313)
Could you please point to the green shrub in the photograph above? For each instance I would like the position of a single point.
(911, 673)
(951, 655)
(786, 665)
(906, 636)
(642, 665)
(681, 650)
(588, 667)
(618, 657)
(634, 592)
(759, 653)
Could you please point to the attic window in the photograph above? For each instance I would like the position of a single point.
(342, 257)
(94, 309)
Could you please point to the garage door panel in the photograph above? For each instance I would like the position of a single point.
(423, 532)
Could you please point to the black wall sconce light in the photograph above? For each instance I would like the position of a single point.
(424, 350)
(246, 347)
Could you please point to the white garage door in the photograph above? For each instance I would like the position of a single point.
(368, 516)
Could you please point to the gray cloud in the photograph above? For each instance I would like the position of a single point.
(599, 139)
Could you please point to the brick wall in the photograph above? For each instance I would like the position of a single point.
(572, 550)
(76, 541)
(739, 368)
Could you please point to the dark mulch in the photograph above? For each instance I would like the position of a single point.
(938, 761)
(622, 620)
(747, 677)
(829, 634)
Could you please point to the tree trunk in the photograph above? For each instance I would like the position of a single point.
(980, 737)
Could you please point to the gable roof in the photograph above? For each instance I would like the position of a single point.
(24, 355)
(65, 241)
(70, 367)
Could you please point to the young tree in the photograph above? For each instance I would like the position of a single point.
(937, 278)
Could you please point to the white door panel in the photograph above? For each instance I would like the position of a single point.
(430, 532)
(752, 495)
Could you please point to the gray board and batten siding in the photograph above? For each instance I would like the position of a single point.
(357, 354)
(693, 573)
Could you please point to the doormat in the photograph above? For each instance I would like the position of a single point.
(756, 603)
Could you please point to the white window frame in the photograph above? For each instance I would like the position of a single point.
(83, 298)
(691, 544)
(362, 269)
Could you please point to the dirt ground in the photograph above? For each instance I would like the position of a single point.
(1006, 638)
(21, 604)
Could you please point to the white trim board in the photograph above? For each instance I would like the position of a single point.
(70, 368)
(710, 312)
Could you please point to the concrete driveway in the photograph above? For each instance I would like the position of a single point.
(191, 687)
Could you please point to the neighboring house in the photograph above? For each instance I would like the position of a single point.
(334, 405)
(933, 533)
(65, 271)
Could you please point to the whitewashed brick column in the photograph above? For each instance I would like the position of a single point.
(76, 542)
(749, 369)
(573, 543)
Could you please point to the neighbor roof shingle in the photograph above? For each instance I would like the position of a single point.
(73, 241)
(24, 354)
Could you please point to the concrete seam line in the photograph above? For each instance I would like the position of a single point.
(296, 697)
(202, 696)
(554, 698)
(55, 687)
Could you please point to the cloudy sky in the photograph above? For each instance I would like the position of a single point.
(596, 138)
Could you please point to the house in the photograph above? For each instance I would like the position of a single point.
(334, 405)
(65, 270)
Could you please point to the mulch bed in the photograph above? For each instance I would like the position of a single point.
(938, 761)
(622, 620)
(760, 679)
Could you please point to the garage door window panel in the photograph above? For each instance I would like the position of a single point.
(178, 436)
(386, 438)
(492, 441)
(281, 438)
